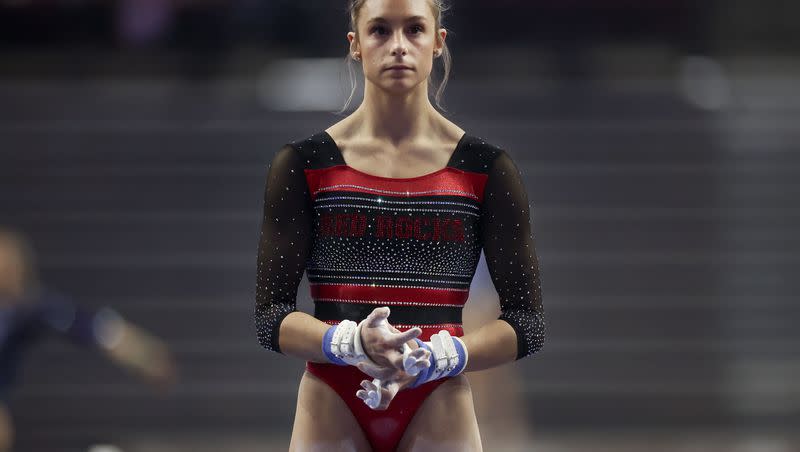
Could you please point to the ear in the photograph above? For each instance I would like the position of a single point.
(440, 37)
(354, 46)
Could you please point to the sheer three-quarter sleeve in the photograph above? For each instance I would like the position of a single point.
(509, 247)
(284, 245)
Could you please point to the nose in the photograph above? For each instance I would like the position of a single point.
(399, 46)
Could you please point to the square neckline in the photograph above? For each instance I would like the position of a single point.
(434, 173)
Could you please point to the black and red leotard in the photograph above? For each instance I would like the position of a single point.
(412, 244)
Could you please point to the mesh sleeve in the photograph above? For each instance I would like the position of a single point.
(284, 244)
(509, 247)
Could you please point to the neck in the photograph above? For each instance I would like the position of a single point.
(394, 117)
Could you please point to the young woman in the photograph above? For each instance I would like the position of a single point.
(387, 212)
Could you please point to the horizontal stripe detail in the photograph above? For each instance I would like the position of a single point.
(407, 193)
(375, 279)
(396, 209)
(387, 303)
(450, 181)
(398, 271)
(400, 314)
(455, 329)
(367, 293)
(450, 201)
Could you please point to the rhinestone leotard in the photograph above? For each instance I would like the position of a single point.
(412, 244)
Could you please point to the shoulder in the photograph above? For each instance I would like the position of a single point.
(313, 151)
(477, 154)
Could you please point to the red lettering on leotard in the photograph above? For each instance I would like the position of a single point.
(358, 224)
(392, 227)
(437, 230)
(418, 222)
(385, 226)
(445, 225)
(326, 224)
(342, 224)
(404, 227)
(458, 230)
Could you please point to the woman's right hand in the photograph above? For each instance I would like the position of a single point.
(383, 343)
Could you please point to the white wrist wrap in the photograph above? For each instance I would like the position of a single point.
(345, 344)
(449, 358)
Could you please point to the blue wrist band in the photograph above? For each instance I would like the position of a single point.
(326, 347)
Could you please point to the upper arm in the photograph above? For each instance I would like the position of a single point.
(510, 250)
(284, 244)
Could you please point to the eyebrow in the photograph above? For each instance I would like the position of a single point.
(409, 19)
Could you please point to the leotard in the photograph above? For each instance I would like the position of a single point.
(412, 244)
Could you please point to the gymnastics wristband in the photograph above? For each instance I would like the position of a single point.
(449, 358)
(342, 345)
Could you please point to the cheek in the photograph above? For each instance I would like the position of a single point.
(425, 67)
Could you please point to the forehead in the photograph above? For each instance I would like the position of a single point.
(396, 9)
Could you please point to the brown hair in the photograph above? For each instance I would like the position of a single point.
(439, 8)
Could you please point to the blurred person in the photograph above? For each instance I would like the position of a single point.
(29, 311)
(144, 22)
(394, 230)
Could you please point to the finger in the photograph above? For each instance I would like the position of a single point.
(369, 386)
(402, 338)
(416, 361)
(419, 367)
(388, 391)
(420, 353)
(371, 394)
(410, 366)
(415, 368)
(376, 404)
(374, 400)
(377, 316)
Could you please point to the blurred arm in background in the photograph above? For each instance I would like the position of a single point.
(28, 313)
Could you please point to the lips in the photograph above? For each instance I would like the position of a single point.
(397, 67)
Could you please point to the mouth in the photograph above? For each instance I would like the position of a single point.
(398, 67)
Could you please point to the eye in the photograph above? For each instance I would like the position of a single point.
(416, 29)
(379, 29)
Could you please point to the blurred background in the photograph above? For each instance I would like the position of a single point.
(658, 141)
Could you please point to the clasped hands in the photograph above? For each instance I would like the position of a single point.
(395, 357)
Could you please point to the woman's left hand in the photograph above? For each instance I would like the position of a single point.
(378, 393)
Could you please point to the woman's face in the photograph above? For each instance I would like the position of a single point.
(392, 33)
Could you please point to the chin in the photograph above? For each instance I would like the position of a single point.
(400, 86)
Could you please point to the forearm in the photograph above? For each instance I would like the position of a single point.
(492, 345)
(136, 349)
(301, 336)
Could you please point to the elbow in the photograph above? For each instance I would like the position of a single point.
(266, 330)
(267, 337)
(268, 323)
(530, 328)
(537, 343)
